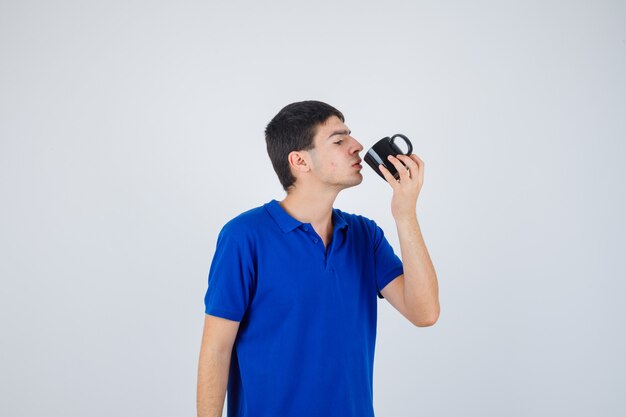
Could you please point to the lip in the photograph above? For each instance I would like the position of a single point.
(357, 165)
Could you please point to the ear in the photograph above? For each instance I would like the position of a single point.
(298, 161)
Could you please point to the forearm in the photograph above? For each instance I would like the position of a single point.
(421, 290)
(213, 371)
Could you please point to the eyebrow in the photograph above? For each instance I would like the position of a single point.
(339, 132)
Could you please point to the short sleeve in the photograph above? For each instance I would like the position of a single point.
(387, 264)
(231, 276)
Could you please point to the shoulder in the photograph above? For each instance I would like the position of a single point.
(245, 224)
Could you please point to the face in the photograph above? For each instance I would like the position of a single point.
(335, 158)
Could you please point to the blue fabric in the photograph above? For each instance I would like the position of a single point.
(307, 332)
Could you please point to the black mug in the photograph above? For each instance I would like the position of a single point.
(382, 149)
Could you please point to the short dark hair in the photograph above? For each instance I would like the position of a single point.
(293, 129)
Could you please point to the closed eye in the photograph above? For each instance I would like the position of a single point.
(340, 134)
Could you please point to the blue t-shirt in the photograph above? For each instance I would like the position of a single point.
(305, 346)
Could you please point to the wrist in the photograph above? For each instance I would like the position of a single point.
(406, 219)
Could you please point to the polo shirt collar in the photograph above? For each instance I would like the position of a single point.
(338, 221)
(288, 223)
(280, 216)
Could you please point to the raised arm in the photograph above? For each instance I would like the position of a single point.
(416, 293)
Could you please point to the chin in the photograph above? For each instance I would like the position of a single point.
(355, 182)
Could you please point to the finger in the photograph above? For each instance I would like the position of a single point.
(400, 167)
(388, 177)
(420, 162)
(410, 163)
(409, 159)
(416, 159)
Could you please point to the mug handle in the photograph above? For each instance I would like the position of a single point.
(406, 140)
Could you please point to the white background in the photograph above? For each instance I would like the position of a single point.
(131, 131)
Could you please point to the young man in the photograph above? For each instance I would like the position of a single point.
(290, 323)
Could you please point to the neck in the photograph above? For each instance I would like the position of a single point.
(312, 206)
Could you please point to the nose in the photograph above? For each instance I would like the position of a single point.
(356, 147)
